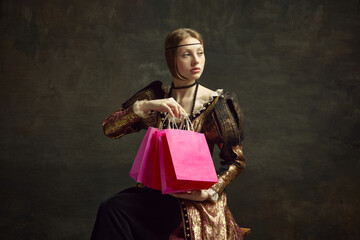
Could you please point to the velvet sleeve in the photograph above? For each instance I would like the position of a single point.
(226, 131)
(125, 121)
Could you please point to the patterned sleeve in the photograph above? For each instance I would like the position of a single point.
(227, 126)
(125, 121)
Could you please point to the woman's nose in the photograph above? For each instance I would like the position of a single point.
(195, 61)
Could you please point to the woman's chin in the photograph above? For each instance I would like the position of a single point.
(193, 77)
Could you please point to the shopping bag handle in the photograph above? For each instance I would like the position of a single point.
(171, 123)
(185, 123)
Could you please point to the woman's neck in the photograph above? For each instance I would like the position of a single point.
(182, 83)
(183, 93)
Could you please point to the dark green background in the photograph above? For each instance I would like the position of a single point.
(66, 65)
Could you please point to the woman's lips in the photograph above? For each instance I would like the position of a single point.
(195, 70)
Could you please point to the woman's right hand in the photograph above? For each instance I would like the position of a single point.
(164, 105)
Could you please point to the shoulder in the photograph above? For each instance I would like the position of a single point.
(203, 91)
(154, 86)
(207, 95)
(205, 98)
(227, 108)
(152, 91)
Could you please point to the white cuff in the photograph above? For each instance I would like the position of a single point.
(137, 108)
(213, 196)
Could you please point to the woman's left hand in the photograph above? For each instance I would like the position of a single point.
(194, 195)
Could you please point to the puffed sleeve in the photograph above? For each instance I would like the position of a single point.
(125, 120)
(225, 128)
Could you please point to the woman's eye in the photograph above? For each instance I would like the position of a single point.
(186, 54)
(200, 53)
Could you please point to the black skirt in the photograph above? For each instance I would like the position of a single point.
(136, 214)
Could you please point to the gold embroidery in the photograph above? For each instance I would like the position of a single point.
(121, 125)
(210, 220)
(199, 121)
(233, 171)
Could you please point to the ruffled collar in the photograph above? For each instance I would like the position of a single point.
(204, 100)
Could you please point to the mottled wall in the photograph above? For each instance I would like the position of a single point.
(66, 65)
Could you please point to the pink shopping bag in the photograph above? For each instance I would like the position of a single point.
(146, 169)
(185, 161)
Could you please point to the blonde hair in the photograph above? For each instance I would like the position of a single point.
(172, 40)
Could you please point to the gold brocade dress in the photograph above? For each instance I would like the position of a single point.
(220, 119)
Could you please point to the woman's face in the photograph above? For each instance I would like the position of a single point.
(190, 59)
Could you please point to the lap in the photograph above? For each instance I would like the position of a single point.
(147, 212)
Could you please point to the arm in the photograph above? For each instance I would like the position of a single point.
(227, 131)
(125, 120)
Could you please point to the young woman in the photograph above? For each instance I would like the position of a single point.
(143, 213)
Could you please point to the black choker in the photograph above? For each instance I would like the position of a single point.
(183, 87)
(192, 115)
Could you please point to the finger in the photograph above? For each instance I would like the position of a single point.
(178, 111)
(168, 109)
(182, 111)
(174, 103)
(178, 195)
(183, 193)
(173, 194)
